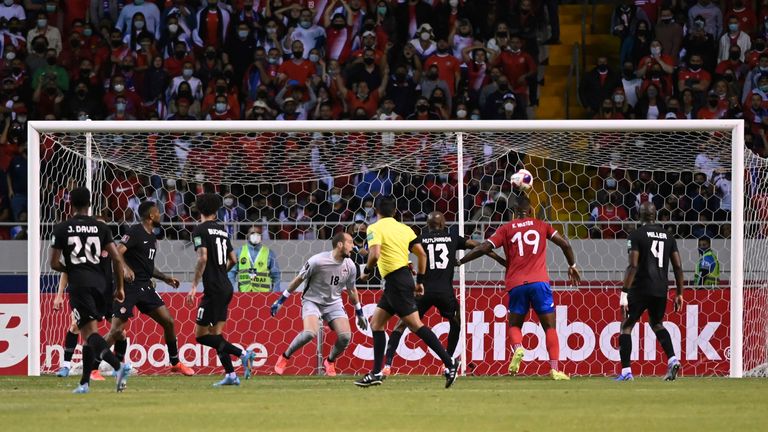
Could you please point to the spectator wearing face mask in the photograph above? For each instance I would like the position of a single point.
(213, 25)
(151, 14)
(42, 28)
(694, 77)
(712, 15)
(447, 66)
(701, 43)
(307, 32)
(734, 37)
(669, 33)
(221, 110)
(597, 85)
(257, 268)
(120, 112)
(424, 42)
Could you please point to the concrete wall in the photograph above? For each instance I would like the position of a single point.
(599, 259)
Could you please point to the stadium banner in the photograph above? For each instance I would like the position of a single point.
(588, 321)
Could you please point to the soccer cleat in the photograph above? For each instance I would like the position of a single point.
(370, 379)
(330, 368)
(387, 371)
(121, 380)
(625, 377)
(672, 370)
(82, 389)
(282, 363)
(247, 359)
(558, 376)
(96, 375)
(63, 372)
(228, 381)
(182, 369)
(516, 361)
(452, 373)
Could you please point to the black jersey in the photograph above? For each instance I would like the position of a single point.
(140, 253)
(441, 247)
(83, 240)
(213, 236)
(655, 246)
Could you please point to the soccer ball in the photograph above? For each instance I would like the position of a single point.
(522, 180)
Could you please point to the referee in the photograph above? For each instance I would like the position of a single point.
(389, 242)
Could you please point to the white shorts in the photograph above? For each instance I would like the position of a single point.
(327, 313)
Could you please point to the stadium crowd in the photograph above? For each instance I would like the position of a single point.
(357, 59)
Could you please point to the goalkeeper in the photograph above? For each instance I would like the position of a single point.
(326, 275)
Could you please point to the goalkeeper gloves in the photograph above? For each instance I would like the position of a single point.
(279, 302)
(361, 321)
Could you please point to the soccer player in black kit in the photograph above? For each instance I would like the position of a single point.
(215, 258)
(81, 240)
(138, 248)
(651, 248)
(441, 247)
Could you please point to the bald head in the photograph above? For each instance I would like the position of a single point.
(647, 212)
(522, 207)
(436, 221)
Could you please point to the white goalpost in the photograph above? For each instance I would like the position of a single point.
(318, 178)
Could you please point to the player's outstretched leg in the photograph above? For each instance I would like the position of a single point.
(454, 332)
(225, 351)
(70, 343)
(164, 318)
(101, 352)
(428, 336)
(301, 339)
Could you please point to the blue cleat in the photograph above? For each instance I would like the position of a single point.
(121, 379)
(63, 372)
(247, 359)
(228, 381)
(82, 389)
(625, 377)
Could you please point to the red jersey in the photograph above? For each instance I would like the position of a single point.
(525, 246)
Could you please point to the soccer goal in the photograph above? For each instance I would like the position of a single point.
(298, 183)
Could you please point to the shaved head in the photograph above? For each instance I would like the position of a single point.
(522, 207)
(436, 221)
(647, 212)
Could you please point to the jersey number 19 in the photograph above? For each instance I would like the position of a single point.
(530, 238)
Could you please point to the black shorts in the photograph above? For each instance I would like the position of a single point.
(144, 297)
(213, 308)
(88, 304)
(637, 304)
(444, 301)
(398, 298)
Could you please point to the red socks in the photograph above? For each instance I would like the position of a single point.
(553, 348)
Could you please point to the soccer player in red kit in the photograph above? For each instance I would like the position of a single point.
(524, 240)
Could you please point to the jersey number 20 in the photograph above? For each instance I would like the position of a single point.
(91, 252)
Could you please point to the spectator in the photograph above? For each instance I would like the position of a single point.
(182, 111)
(699, 42)
(694, 77)
(650, 105)
(118, 88)
(50, 33)
(708, 267)
(641, 42)
(624, 22)
(171, 203)
(608, 111)
(310, 35)
(669, 33)
(221, 109)
(518, 66)
(296, 103)
(710, 12)
(412, 16)
(212, 25)
(120, 112)
(431, 81)
(733, 37)
(755, 115)
(447, 66)
(752, 57)
(609, 219)
(745, 15)
(597, 85)
(751, 82)
(9, 10)
(297, 68)
(711, 111)
(402, 89)
(721, 181)
(150, 13)
(52, 72)
(258, 269)
(425, 44)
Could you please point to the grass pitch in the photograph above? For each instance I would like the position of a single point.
(402, 403)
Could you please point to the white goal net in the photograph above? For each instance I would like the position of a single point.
(298, 183)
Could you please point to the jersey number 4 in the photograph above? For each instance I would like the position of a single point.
(434, 249)
(657, 249)
(91, 252)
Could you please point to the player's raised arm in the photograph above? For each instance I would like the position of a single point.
(677, 268)
(573, 273)
(483, 248)
(492, 254)
(118, 267)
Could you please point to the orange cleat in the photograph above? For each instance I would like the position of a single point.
(282, 363)
(182, 369)
(96, 375)
(330, 368)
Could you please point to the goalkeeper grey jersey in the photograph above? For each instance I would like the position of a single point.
(325, 278)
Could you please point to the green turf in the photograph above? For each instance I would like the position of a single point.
(402, 403)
